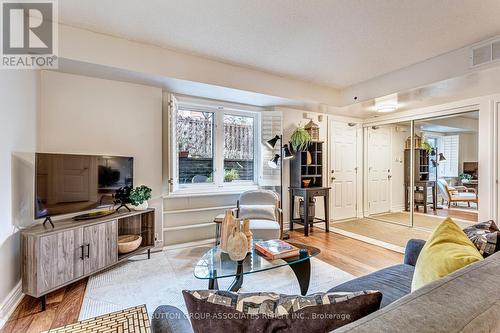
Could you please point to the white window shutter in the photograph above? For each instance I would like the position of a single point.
(271, 125)
(173, 165)
(450, 147)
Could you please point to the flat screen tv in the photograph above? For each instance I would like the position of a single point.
(66, 183)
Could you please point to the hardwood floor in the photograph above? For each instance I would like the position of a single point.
(63, 306)
(348, 254)
(453, 213)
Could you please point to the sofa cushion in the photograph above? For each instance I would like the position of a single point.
(467, 300)
(447, 249)
(265, 229)
(218, 311)
(485, 236)
(393, 282)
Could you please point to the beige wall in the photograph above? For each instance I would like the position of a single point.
(85, 115)
(19, 94)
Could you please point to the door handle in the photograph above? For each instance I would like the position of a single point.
(88, 250)
(389, 177)
(82, 248)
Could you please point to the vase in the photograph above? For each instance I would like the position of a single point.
(309, 158)
(248, 233)
(237, 245)
(142, 206)
(227, 226)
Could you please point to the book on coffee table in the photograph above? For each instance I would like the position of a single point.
(276, 249)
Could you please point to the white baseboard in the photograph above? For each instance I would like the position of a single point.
(10, 303)
(369, 240)
(189, 244)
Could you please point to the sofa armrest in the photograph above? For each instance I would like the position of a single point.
(412, 250)
(169, 319)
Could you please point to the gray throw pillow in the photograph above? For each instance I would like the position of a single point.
(258, 212)
(224, 311)
(485, 236)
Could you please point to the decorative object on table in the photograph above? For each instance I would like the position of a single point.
(306, 182)
(465, 178)
(418, 142)
(237, 246)
(276, 249)
(309, 159)
(313, 129)
(227, 226)
(300, 139)
(122, 197)
(311, 207)
(286, 154)
(133, 319)
(139, 197)
(128, 243)
(266, 311)
(248, 233)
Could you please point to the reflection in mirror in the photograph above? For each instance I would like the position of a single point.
(387, 174)
(449, 155)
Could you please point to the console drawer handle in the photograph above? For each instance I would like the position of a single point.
(88, 250)
(82, 248)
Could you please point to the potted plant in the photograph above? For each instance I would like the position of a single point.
(139, 197)
(230, 175)
(465, 177)
(300, 139)
(427, 147)
(183, 146)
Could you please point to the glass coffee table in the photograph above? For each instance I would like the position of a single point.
(216, 264)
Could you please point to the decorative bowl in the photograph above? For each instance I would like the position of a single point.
(128, 243)
(306, 182)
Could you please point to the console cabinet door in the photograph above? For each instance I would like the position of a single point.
(60, 259)
(101, 246)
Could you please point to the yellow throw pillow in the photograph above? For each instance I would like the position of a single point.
(447, 250)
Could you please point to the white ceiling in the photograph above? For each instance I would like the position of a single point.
(332, 42)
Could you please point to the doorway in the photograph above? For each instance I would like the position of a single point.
(343, 170)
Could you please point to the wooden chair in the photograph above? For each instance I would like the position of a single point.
(457, 193)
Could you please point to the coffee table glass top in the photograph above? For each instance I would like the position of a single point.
(217, 264)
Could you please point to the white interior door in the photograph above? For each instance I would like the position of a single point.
(343, 170)
(379, 169)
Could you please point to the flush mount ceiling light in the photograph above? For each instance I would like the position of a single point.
(386, 104)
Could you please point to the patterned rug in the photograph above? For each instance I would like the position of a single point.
(132, 320)
(161, 280)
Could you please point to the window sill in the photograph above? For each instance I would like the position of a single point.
(210, 191)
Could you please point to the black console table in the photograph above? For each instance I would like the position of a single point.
(307, 193)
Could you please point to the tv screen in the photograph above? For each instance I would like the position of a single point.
(67, 183)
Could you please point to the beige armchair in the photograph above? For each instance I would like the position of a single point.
(457, 193)
(263, 209)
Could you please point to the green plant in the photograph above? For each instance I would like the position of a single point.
(465, 176)
(140, 194)
(300, 139)
(427, 146)
(230, 175)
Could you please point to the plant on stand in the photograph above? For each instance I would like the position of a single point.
(300, 139)
(139, 197)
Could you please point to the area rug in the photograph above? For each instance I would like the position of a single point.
(131, 320)
(161, 279)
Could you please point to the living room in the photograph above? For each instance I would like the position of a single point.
(165, 137)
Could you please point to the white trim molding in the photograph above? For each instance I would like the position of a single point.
(10, 303)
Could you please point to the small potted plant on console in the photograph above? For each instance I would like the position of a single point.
(139, 197)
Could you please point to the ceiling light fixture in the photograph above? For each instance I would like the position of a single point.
(386, 103)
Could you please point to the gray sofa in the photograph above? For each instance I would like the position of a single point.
(467, 300)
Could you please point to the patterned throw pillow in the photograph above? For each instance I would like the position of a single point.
(217, 311)
(485, 236)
